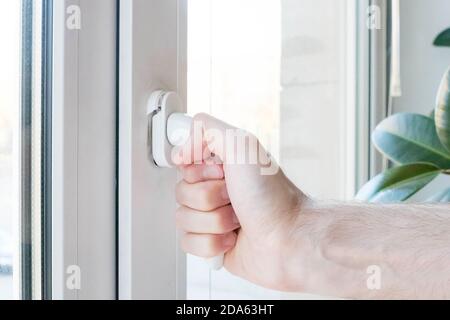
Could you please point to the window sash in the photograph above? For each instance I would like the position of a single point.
(84, 150)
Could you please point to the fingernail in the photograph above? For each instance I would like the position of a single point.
(212, 172)
(229, 240)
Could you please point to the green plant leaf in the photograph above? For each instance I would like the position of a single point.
(443, 39)
(410, 138)
(398, 184)
(443, 197)
(442, 111)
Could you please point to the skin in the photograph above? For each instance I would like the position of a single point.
(275, 236)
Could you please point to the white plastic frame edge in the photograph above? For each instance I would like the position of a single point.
(84, 151)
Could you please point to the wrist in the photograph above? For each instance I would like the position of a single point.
(297, 246)
(322, 257)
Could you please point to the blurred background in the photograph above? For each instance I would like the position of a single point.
(300, 75)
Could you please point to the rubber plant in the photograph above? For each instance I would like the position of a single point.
(419, 145)
(443, 39)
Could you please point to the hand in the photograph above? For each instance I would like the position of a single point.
(276, 237)
(236, 208)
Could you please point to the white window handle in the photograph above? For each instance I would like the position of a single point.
(170, 127)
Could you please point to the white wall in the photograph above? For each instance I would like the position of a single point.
(422, 64)
(312, 129)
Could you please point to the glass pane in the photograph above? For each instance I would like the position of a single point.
(23, 138)
(10, 20)
(278, 70)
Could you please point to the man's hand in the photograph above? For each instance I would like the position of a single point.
(275, 236)
(232, 207)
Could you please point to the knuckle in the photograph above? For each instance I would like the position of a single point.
(219, 223)
(207, 196)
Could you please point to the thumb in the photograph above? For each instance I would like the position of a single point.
(214, 140)
(208, 136)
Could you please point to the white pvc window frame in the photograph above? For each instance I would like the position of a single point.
(373, 83)
(145, 262)
(84, 149)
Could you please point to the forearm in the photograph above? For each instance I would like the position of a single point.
(338, 243)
